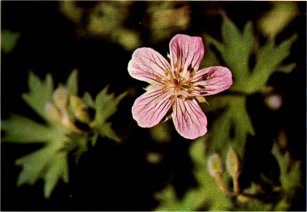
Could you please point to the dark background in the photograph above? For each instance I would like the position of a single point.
(111, 176)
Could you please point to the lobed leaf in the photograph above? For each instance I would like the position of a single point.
(40, 93)
(106, 105)
(268, 61)
(20, 129)
(72, 83)
(107, 131)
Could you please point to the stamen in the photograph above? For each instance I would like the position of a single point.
(165, 88)
(181, 97)
(205, 76)
(172, 97)
(192, 74)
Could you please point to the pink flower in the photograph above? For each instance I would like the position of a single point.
(176, 85)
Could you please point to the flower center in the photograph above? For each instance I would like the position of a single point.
(181, 86)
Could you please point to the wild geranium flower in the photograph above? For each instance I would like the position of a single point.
(176, 85)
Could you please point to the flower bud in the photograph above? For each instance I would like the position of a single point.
(79, 109)
(232, 162)
(60, 97)
(53, 113)
(215, 165)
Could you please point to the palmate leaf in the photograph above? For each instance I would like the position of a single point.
(48, 163)
(268, 60)
(236, 50)
(290, 178)
(59, 108)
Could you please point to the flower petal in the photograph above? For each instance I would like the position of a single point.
(189, 119)
(212, 80)
(148, 65)
(186, 52)
(149, 109)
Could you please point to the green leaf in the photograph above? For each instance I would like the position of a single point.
(88, 99)
(236, 50)
(290, 177)
(20, 129)
(72, 83)
(287, 68)
(107, 131)
(234, 118)
(8, 40)
(57, 169)
(48, 163)
(268, 60)
(106, 105)
(40, 93)
(277, 19)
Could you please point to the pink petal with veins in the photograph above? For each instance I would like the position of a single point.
(213, 80)
(149, 109)
(148, 65)
(186, 51)
(189, 119)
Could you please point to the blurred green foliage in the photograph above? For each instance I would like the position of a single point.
(107, 19)
(8, 40)
(61, 109)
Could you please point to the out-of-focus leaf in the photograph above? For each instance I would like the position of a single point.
(40, 93)
(57, 169)
(60, 108)
(8, 40)
(275, 20)
(160, 133)
(48, 163)
(236, 50)
(20, 129)
(234, 119)
(72, 83)
(287, 68)
(106, 105)
(290, 178)
(88, 99)
(107, 131)
(268, 60)
(200, 198)
(71, 10)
